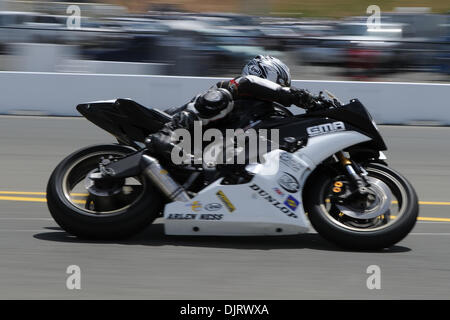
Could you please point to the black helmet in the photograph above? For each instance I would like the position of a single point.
(269, 68)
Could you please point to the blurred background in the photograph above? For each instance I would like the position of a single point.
(61, 65)
(319, 40)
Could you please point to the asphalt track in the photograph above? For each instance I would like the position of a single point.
(35, 253)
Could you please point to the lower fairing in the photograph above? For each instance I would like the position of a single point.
(270, 204)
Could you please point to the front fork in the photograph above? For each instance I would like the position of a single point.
(351, 168)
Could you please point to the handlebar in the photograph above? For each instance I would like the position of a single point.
(321, 102)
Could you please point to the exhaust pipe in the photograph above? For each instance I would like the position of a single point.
(161, 178)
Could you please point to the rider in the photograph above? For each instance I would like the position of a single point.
(263, 78)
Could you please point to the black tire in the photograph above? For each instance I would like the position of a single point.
(376, 239)
(81, 223)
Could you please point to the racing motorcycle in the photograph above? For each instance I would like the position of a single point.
(330, 173)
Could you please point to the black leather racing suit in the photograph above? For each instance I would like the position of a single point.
(218, 103)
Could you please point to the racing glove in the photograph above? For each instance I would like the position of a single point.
(302, 98)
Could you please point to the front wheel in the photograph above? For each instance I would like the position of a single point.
(102, 210)
(387, 219)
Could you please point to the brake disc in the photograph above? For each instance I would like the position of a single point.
(380, 206)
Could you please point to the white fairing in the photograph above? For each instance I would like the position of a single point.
(270, 204)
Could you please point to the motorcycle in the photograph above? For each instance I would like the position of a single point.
(331, 173)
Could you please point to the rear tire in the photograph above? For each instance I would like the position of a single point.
(363, 239)
(86, 224)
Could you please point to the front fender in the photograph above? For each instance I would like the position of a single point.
(322, 147)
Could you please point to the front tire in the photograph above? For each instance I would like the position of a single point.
(371, 234)
(87, 220)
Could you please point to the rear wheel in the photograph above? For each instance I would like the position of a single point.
(102, 209)
(385, 219)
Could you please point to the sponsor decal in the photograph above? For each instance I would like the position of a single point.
(196, 206)
(213, 206)
(233, 85)
(266, 196)
(254, 70)
(191, 216)
(225, 201)
(278, 191)
(289, 160)
(288, 182)
(209, 216)
(291, 203)
(181, 216)
(325, 128)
